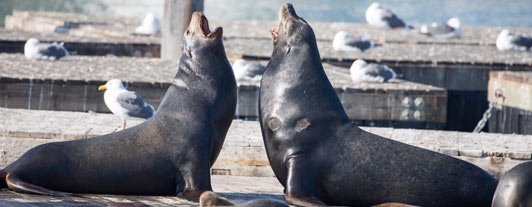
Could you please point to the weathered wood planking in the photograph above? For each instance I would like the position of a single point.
(511, 92)
(123, 26)
(243, 152)
(71, 84)
(236, 188)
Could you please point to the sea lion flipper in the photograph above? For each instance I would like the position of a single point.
(209, 198)
(197, 179)
(300, 189)
(19, 185)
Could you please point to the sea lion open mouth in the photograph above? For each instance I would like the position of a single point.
(204, 24)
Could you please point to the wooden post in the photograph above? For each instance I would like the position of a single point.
(176, 18)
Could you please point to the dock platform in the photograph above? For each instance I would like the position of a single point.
(243, 153)
(71, 85)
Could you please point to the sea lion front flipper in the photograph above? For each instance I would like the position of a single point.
(197, 178)
(300, 190)
(19, 185)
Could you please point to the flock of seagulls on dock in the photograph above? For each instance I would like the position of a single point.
(125, 104)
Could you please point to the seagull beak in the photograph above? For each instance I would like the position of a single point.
(102, 87)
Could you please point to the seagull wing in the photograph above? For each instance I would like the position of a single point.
(359, 43)
(134, 104)
(439, 28)
(522, 41)
(392, 19)
(255, 69)
(383, 71)
(54, 51)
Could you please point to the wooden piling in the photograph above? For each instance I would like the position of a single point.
(176, 18)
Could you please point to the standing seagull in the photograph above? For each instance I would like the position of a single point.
(124, 103)
(34, 49)
(509, 41)
(345, 42)
(245, 70)
(447, 30)
(364, 72)
(379, 17)
(150, 25)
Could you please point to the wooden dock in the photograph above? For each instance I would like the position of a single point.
(243, 153)
(511, 94)
(71, 85)
(460, 66)
(236, 188)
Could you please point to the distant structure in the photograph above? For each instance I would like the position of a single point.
(361, 71)
(449, 29)
(344, 42)
(149, 26)
(124, 103)
(34, 49)
(509, 41)
(248, 70)
(379, 17)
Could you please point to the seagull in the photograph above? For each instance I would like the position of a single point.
(509, 41)
(364, 72)
(34, 49)
(124, 103)
(448, 29)
(379, 17)
(345, 42)
(248, 70)
(150, 25)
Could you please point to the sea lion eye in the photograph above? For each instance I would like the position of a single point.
(187, 32)
(288, 49)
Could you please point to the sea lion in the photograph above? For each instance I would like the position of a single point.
(515, 187)
(170, 153)
(321, 157)
(209, 198)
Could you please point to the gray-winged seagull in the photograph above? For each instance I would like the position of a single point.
(124, 103)
(342, 41)
(379, 17)
(248, 70)
(509, 41)
(364, 72)
(150, 25)
(34, 49)
(448, 29)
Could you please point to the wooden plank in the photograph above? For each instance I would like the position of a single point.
(513, 89)
(71, 84)
(243, 152)
(177, 14)
(257, 29)
(237, 189)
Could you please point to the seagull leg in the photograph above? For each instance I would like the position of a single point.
(124, 125)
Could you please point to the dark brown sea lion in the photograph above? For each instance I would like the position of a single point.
(168, 154)
(321, 157)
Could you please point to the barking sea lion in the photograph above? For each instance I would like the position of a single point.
(168, 154)
(321, 157)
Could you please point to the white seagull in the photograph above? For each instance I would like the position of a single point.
(342, 41)
(124, 103)
(509, 41)
(448, 29)
(34, 49)
(248, 70)
(150, 25)
(379, 17)
(364, 72)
